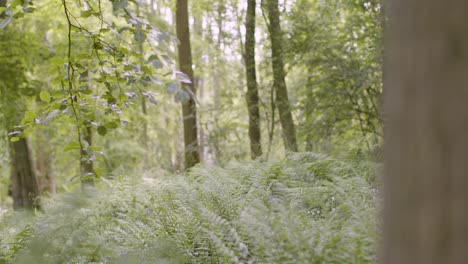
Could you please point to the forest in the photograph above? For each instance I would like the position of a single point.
(233, 131)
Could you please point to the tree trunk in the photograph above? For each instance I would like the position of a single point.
(189, 110)
(252, 88)
(426, 146)
(145, 136)
(199, 83)
(87, 166)
(279, 82)
(24, 187)
(2, 4)
(44, 170)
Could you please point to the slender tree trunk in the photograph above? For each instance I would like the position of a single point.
(144, 137)
(189, 109)
(24, 185)
(87, 166)
(279, 82)
(216, 84)
(252, 88)
(426, 142)
(199, 83)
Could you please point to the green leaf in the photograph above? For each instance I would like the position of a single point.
(15, 3)
(96, 148)
(29, 117)
(14, 139)
(97, 45)
(102, 130)
(146, 70)
(108, 85)
(73, 145)
(119, 4)
(86, 13)
(112, 125)
(45, 96)
(123, 29)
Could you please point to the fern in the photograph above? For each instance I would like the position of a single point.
(309, 208)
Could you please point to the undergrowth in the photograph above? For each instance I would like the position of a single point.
(308, 208)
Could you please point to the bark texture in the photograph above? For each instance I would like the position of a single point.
(252, 88)
(189, 108)
(426, 148)
(24, 186)
(279, 82)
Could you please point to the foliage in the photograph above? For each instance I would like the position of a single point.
(123, 58)
(74, 65)
(340, 78)
(309, 208)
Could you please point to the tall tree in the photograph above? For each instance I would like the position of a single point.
(426, 146)
(189, 108)
(252, 88)
(279, 82)
(24, 186)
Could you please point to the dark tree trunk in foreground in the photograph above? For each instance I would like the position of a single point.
(279, 82)
(426, 148)
(24, 187)
(252, 88)
(189, 110)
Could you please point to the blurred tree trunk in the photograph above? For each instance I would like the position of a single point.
(45, 173)
(189, 110)
(217, 81)
(144, 137)
(87, 166)
(2, 4)
(279, 82)
(199, 83)
(426, 142)
(24, 187)
(252, 88)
